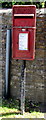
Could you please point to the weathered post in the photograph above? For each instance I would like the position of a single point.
(23, 78)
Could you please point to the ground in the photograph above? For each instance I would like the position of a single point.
(10, 109)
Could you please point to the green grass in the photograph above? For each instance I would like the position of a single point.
(10, 109)
(14, 113)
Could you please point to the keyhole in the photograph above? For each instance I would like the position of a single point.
(17, 42)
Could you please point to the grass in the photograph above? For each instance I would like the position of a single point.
(10, 109)
(14, 113)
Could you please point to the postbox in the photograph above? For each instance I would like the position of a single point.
(23, 32)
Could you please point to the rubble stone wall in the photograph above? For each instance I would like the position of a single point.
(35, 89)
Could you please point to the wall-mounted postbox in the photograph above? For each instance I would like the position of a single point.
(23, 32)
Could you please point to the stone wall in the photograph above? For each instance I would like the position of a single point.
(35, 89)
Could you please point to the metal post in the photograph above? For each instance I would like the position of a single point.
(23, 77)
(7, 68)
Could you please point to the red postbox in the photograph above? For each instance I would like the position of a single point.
(23, 32)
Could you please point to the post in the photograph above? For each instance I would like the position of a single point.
(8, 61)
(23, 77)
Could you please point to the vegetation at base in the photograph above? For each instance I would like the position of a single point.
(29, 105)
(10, 109)
(10, 4)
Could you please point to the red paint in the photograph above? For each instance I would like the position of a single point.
(19, 23)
